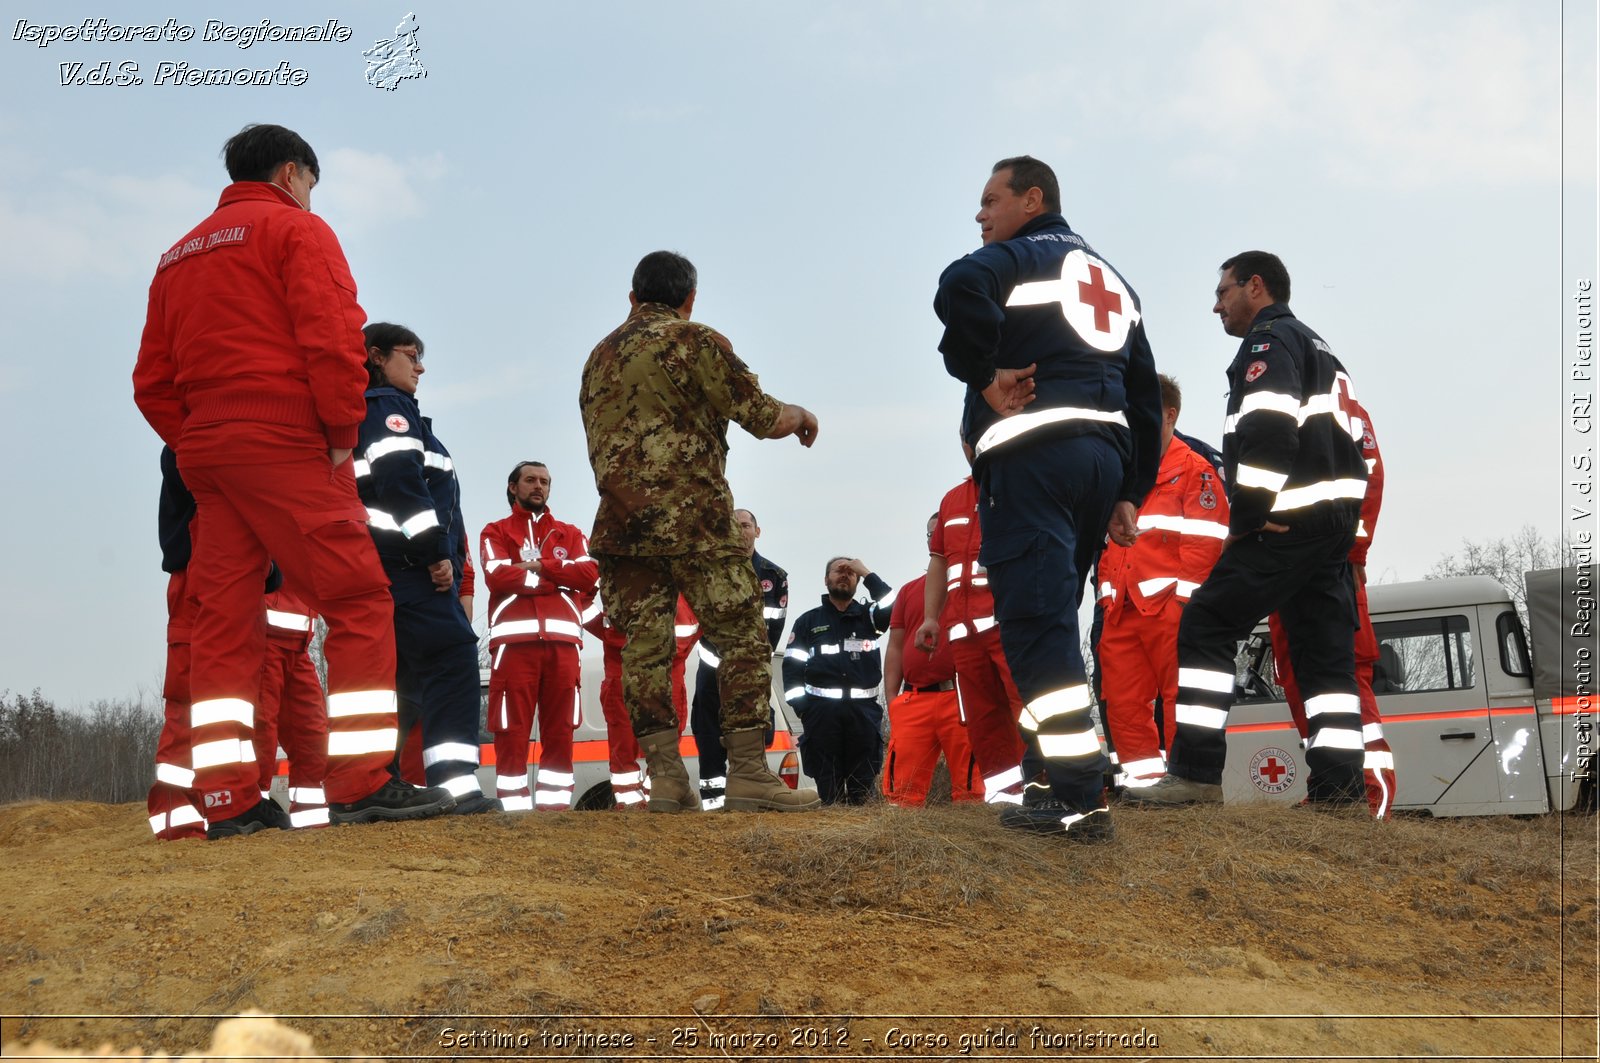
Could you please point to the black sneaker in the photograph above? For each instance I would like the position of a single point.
(266, 814)
(1056, 817)
(394, 800)
(472, 804)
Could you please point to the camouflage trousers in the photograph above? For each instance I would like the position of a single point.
(641, 598)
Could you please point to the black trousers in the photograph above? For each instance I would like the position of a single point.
(1303, 575)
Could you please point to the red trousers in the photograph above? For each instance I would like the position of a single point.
(174, 804)
(1378, 760)
(1139, 663)
(528, 678)
(920, 727)
(627, 780)
(306, 516)
(991, 707)
(290, 712)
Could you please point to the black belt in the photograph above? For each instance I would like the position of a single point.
(936, 688)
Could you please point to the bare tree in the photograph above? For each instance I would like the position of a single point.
(1507, 559)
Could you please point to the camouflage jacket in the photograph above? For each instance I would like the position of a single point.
(656, 399)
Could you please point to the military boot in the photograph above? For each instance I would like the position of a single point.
(751, 785)
(670, 790)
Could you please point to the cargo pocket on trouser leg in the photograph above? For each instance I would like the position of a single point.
(338, 565)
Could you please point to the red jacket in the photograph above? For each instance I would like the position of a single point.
(547, 605)
(252, 340)
(969, 609)
(289, 621)
(1182, 526)
(1373, 501)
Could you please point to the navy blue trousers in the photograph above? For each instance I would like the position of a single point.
(1044, 507)
(436, 675)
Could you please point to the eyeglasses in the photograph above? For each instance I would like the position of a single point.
(1225, 287)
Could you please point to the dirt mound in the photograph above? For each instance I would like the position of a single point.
(1216, 932)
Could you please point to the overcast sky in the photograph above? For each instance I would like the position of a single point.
(820, 162)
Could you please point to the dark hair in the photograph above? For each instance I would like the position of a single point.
(1171, 393)
(752, 513)
(831, 562)
(386, 337)
(1028, 172)
(664, 277)
(516, 474)
(1264, 264)
(255, 152)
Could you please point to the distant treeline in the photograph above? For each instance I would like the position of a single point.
(104, 752)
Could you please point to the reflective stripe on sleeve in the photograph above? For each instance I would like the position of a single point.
(1264, 479)
(1210, 529)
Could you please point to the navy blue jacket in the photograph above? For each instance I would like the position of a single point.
(1287, 446)
(1045, 297)
(408, 484)
(832, 656)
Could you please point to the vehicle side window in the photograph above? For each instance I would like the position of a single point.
(1513, 645)
(1254, 673)
(1429, 653)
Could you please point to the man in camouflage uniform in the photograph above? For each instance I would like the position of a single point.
(656, 398)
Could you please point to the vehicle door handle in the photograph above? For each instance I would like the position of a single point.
(1454, 736)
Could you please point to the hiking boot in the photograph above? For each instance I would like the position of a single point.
(1174, 790)
(474, 803)
(265, 814)
(751, 785)
(394, 800)
(1056, 817)
(670, 790)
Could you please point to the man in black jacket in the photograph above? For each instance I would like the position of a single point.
(831, 675)
(1296, 477)
(1063, 413)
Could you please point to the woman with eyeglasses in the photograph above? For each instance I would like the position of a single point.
(408, 483)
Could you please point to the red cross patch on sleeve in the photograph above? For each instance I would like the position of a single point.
(1254, 372)
(396, 423)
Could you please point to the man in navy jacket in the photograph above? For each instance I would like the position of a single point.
(1063, 413)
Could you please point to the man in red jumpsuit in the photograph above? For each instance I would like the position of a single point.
(291, 711)
(924, 717)
(1378, 759)
(541, 580)
(1182, 525)
(252, 368)
(958, 605)
(629, 787)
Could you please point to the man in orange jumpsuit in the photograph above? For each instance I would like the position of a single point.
(958, 606)
(629, 787)
(541, 580)
(924, 717)
(1378, 759)
(290, 711)
(252, 368)
(1143, 588)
